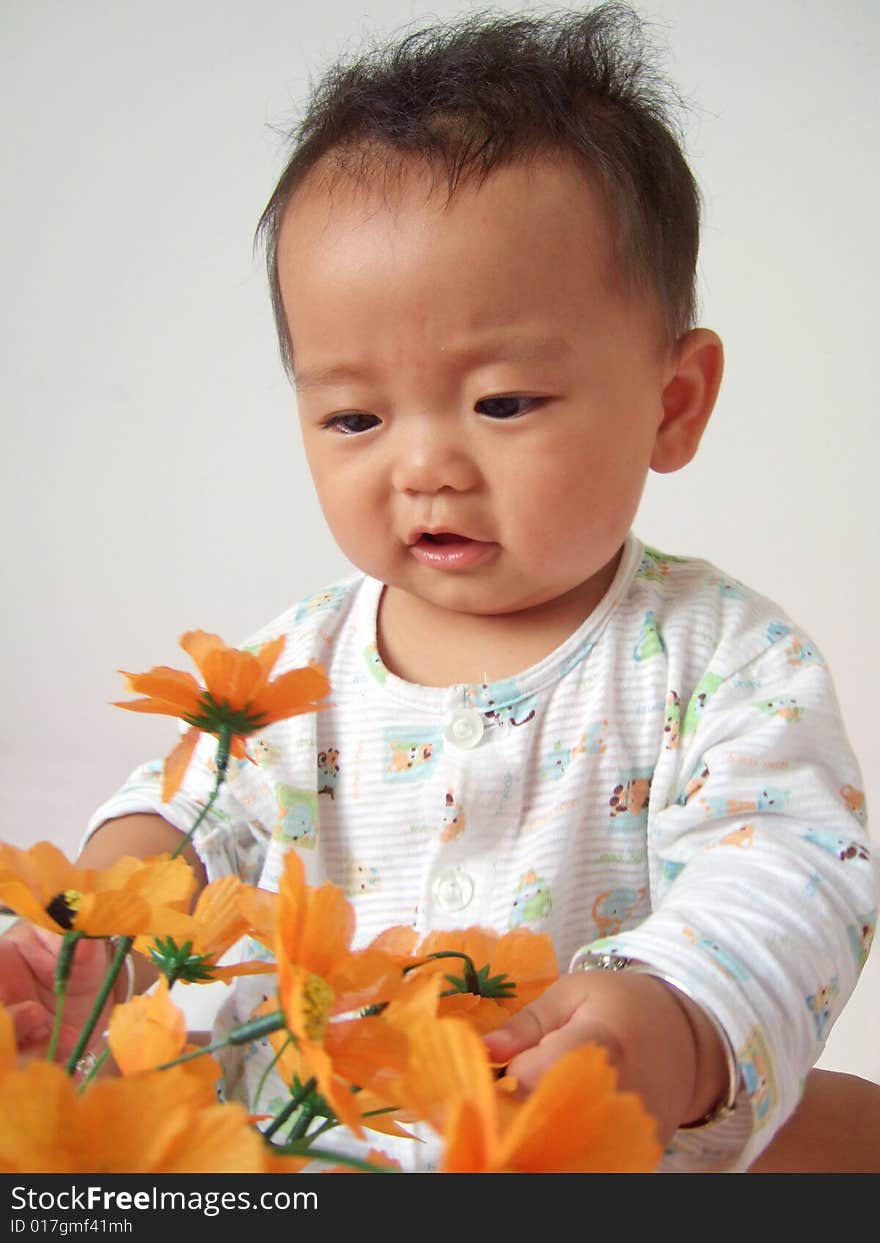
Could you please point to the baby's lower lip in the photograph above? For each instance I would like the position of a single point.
(450, 551)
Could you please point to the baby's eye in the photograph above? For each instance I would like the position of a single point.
(506, 407)
(351, 424)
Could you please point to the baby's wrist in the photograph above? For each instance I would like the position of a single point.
(712, 1095)
(716, 1075)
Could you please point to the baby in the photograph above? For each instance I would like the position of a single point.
(482, 257)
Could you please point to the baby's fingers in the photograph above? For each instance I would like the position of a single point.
(529, 1066)
(530, 1025)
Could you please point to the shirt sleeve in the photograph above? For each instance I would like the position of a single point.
(763, 889)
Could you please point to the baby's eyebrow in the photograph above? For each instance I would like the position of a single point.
(509, 349)
(323, 377)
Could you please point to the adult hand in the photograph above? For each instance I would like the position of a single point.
(28, 956)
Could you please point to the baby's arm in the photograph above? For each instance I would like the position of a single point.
(763, 907)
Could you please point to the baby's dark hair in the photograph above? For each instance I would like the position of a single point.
(490, 89)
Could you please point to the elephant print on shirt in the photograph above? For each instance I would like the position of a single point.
(297, 817)
(613, 909)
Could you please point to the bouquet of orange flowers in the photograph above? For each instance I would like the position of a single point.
(371, 1039)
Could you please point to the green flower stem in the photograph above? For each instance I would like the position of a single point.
(224, 742)
(123, 949)
(62, 975)
(244, 1034)
(267, 1071)
(290, 1108)
(303, 1122)
(471, 979)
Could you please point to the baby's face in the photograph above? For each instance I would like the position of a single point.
(479, 402)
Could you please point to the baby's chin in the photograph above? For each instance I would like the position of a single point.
(467, 597)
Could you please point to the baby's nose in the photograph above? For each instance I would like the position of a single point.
(428, 459)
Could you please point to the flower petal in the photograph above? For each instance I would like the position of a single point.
(466, 1149)
(400, 940)
(170, 686)
(292, 909)
(147, 1031)
(36, 1106)
(238, 748)
(297, 691)
(268, 655)
(218, 1141)
(113, 913)
(363, 1048)
(448, 1062)
(177, 762)
(163, 881)
(138, 1123)
(44, 869)
(20, 899)
(159, 707)
(233, 677)
(364, 979)
(225, 974)
(199, 645)
(218, 918)
(336, 1093)
(260, 908)
(328, 929)
(576, 1122)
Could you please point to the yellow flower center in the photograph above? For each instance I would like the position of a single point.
(64, 906)
(317, 1002)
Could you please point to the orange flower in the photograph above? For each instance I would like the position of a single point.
(237, 699)
(381, 1105)
(575, 1121)
(320, 978)
(131, 896)
(150, 1030)
(510, 970)
(215, 925)
(164, 1122)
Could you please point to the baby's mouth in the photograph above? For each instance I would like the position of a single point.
(450, 550)
(444, 537)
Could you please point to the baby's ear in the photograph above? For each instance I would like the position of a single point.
(688, 399)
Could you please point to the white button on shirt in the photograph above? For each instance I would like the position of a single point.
(463, 728)
(453, 890)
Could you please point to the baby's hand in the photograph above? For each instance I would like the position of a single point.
(663, 1046)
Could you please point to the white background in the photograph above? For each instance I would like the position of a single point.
(153, 480)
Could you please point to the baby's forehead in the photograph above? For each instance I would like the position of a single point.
(532, 239)
(400, 184)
